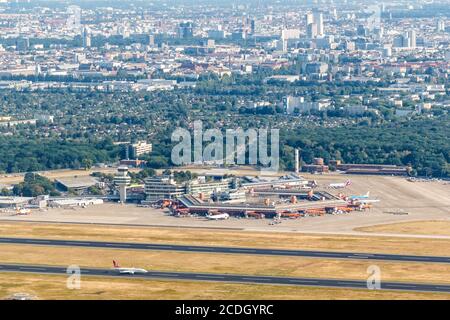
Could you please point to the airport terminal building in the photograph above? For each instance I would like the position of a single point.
(165, 187)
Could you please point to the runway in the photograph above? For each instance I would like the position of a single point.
(166, 275)
(229, 250)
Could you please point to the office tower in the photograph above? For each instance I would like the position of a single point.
(73, 22)
(86, 38)
(283, 45)
(318, 20)
(378, 32)
(440, 25)
(362, 31)
(407, 40)
(289, 34)
(314, 24)
(151, 40)
(334, 14)
(309, 18)
(411, 35)
(23, 44)
(387, 52)
(186, 30)
(37, 70)
(311, 30)
(216, 34)
(398, 41)
(252, 26)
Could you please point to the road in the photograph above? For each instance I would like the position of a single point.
(228, 278)
(229, 250)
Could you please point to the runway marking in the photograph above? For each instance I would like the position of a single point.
(209, 277)
(32, 268)
(347, 283)
(303, 281)
(403, 285)
(257, 279)
(78, 243)
(442, 288)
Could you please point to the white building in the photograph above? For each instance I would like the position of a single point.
(298, 105)
(139, 148)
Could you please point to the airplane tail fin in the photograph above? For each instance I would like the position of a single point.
(115, 264)
(368, 193)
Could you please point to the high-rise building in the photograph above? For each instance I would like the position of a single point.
(23, 44)
(334, 14)
(387, 52)
(411, 35)
(362, 31)
(311, 30)
(398, 41)
(73, 22)
(252, 26)
(318, 19)
(290, 34)
(407, 40)
(87, 42)
(314, 24)
(186, 30)
(151, 40)
(309, 18)
(440, 25)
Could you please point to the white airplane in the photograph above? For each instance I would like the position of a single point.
(366, 201)
(127, 270)
(340, 185)
(364, 196)
(223, 216)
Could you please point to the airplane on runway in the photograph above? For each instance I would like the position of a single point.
(340, 185)
(223, 216)
(127, 270)
(364, 196)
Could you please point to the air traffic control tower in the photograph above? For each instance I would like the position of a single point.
(122, 180)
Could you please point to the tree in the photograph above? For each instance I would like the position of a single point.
(87, 163)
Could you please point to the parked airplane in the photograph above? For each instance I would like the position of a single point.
(364, 196)
(340, 185)
(23, 212)
(366, 201)
(223, 216)
(127, 270)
